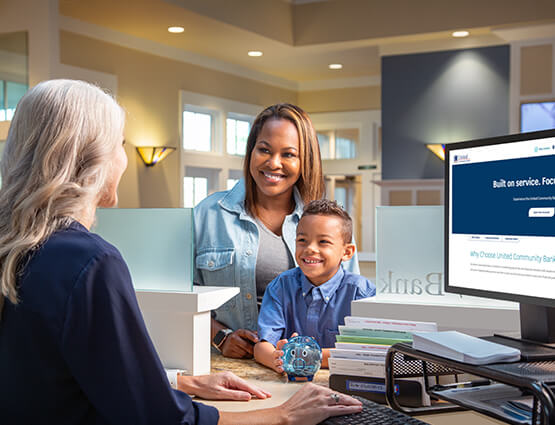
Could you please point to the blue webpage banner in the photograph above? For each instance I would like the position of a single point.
(497, 197)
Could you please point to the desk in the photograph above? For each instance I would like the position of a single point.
(281, 390)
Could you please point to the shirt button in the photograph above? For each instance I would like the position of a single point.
(211, 263)
(249, 296)
(304, 294)
(327, 298)
(249, 252)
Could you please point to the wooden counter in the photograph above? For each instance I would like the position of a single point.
(281, 390)
(253, 371)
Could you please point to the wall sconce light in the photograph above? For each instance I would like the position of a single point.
(153, 154)
(438, 150)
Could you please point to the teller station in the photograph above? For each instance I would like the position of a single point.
(484, 264)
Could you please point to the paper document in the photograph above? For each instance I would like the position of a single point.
(463, 348)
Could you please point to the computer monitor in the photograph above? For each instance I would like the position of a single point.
(500, 224)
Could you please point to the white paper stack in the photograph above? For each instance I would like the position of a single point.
(360, 352)
(389, 324)
(363, 342)
(463, 348)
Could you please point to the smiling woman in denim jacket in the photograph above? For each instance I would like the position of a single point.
(245, 237)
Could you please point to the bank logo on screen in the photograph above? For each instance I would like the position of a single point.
(461, 158)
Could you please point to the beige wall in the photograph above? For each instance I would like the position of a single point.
(148, 88)
(4, 127)
(532, 75)
(536, 69)
(270, 18)
(337, 100)
(342, 20)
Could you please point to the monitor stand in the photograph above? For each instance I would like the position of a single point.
(537, 331)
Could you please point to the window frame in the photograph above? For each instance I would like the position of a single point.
(237, 117)
(368, 153)
(217, 160)
(183, 189)
(199, 110)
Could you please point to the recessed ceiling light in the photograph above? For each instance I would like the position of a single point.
(460, 34)
(254, 53)
(335, 66)
(176, 30)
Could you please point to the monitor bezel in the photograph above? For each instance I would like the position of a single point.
(520, 137)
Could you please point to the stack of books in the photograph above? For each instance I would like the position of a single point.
(357, 363)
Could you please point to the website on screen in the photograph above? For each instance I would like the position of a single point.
(502, 218)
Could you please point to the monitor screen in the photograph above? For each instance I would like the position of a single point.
(500, 218)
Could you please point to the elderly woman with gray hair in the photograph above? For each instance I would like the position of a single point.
(73, 345)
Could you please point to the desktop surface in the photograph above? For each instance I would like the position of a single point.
(529, 350)
(282, 390)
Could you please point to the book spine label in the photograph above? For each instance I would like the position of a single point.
(357, 368)
(357, 355)
(385, 324)
(353, 346)
(369, 340)
(379, 333)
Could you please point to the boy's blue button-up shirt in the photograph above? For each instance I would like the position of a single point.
(292, 303)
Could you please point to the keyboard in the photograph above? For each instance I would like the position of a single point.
(373, 413)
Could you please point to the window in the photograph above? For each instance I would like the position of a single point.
(349, 144)
(214, 133)
(345, 143)
(230, 183)
(338, 144)
(324, 141)
(340, 196)
(237, 134)
(197, 131)
(233, 177)
(14, 74)
(537, 116)
(195, 189)
(347, 191)
(10, 93)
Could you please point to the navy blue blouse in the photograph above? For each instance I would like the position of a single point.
(75, 349)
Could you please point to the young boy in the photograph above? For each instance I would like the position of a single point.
(314, 298)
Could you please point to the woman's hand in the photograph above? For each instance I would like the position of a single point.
(314, 403)
(239, 344)
(308, 406)
(220, 386)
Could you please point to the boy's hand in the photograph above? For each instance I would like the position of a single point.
(278, 354)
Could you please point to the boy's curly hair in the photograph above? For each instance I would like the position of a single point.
(331, 208)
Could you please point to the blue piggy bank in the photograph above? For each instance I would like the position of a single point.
(302, 358)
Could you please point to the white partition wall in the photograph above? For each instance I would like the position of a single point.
(157, 245)
(409, 277)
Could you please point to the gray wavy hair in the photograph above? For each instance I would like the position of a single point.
(54, 167)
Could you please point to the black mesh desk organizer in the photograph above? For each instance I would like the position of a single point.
(535, 379)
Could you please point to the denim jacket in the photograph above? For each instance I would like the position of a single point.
(226, 246)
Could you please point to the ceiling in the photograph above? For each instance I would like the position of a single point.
(300, 38)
